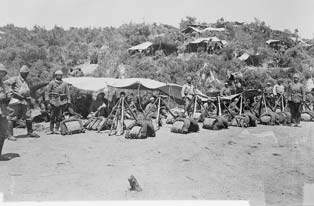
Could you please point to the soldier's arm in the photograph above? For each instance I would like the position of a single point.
(183, 91)
(9, 85)
(67, 91)
(303, 93)
(49, 88)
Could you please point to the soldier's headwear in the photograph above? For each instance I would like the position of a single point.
(268, 83)
(3, 69)
(24, 69)
(189, 78)
(226, 83)
(58, 72)
(296, 75)
(152, 98)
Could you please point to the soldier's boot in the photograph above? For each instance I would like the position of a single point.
(2, 158)
(51, 128)
(10, 131)
(57, 128)
(30, 132)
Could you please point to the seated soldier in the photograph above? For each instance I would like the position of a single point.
(233, 107)
(98, 107)
(151, 108)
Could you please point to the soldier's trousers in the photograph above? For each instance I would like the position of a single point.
(295, 109)
(3, 128)
(56, 114)
(19, 111)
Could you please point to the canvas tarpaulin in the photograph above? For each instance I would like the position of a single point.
(141, 47)
(136, 83)
(174, 91)
(100, 83)
(88, 83)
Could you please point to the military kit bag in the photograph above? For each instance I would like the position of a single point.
(135, 133)
(307, 116)
(71, 126)
(215, 123)
(198, 116)
(209, 123)
(177, 127)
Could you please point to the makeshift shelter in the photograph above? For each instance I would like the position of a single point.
(88, 83)
(174, 92)
(203, 43)
(136, 83)
(253, 60)
(141, 47)
(166, 48)
(87, 68)
(200, 29)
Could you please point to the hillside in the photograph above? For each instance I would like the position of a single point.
(48, 50)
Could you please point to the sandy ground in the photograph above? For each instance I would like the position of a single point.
(266, 164)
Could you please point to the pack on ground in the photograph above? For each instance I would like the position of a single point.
(71, 126)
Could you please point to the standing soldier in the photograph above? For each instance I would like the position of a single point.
(59, 96)
(268, 92)
(3, 112)
(19, 91)
(187, 93)
(225, 91)
(296, 95)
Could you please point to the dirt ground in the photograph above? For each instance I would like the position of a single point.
(266, 164)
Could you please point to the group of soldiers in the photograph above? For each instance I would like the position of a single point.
(15, 101)
(14, 105)
(293, 95)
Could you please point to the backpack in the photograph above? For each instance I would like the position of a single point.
(178, 127)
(71, 126)
(135, 133)
(209, 123)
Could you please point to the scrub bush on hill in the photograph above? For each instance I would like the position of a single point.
(45, 51)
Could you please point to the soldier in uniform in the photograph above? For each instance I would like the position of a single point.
(19, 92)
(233, 107)
(59, 96)
(296, 95)
(225, 91)
(3, 112)
(187, 93)
(268, 92)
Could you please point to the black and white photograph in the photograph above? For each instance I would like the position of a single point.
(157, 100)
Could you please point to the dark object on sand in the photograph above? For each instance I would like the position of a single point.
(134, 184)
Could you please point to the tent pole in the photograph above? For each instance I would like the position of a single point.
(219, 106)
(195, 104)
(241, 102)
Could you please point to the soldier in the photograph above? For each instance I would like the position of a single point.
(279, 88)
(233, 107)
(268, 92)
(296, 95)
(225, 91)
(3, 112)
(59, 96)
(19, 92)
(187, 93)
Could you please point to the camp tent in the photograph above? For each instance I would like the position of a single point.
(88, 83)
(272, 41)
(174, 91)
(102, 84)
(136, 83)
(140, 47)
(87, 68)
(200, 29)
